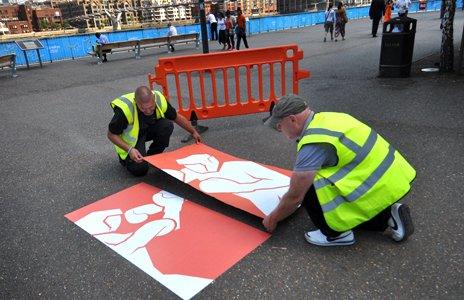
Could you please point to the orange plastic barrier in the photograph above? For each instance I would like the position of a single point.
(220, 62)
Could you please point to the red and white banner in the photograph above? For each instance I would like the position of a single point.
(181, 244)
(250, 186)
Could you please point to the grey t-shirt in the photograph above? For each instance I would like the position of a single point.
(312, 157)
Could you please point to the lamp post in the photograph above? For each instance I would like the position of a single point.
(204, 32)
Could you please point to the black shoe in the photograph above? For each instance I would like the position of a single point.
(400, 222)
(105, 60)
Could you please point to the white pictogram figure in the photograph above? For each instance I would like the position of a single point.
(247, 179)
(104, 224)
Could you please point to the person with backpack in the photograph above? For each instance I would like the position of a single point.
(330, 19)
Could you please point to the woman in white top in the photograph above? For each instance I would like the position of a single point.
(330, 19)
(222, 30)
(213, 26)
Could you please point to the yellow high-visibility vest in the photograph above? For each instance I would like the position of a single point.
(370, 174)
(127, 104)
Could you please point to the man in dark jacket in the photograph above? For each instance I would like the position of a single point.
(376, 11)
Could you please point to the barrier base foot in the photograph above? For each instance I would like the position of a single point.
(200, 129)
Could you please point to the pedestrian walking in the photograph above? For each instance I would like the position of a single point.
(223, 39)
(172, 31)
(376, 12)
(241, 29)
(211, 18)
(330, 19)
(346, 176)
(230, 29)
(342, 19)
(388, 11)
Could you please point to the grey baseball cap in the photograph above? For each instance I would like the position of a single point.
(287, 105)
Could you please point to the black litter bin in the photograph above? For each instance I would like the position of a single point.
(397, 47)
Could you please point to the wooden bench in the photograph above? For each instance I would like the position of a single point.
(9, 60)
(166, 41)
(137, 45)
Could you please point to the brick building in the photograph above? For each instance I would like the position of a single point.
(19, 27)
(293, 6)
(46, 15)
(25, 14)
(249, 7)
(9, 13)
(18, 18)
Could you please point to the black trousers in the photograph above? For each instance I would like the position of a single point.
(214, 32)
(241, 35)
(375, 25)
(160, 133)
(104, 54)
(314, 210)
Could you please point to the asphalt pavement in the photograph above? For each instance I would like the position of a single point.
(55, 158)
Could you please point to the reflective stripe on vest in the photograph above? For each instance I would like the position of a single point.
(127, 104)
(369, 176)
(365, 186)
(131, 140)
(361, 153)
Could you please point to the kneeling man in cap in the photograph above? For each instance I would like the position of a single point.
(346, 176)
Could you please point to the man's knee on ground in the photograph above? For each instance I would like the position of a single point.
(138, 169)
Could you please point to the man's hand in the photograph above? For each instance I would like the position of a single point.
(197, 137)
(270, 223)
(300, 182)
(135, 155)
(182, 122)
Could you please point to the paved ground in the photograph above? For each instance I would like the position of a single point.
(56, 159)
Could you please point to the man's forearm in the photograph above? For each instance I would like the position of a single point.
(182, 122)
(118, 141)
(287, 206)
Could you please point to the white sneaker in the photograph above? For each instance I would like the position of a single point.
(400, 222)
(316, 237)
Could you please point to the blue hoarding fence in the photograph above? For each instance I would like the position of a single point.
(76, 46)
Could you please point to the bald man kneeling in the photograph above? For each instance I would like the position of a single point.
(141, 117)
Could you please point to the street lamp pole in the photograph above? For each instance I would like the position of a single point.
(204, 32)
